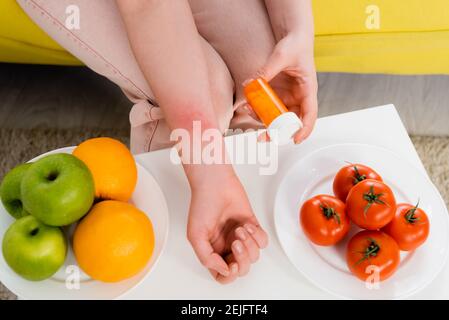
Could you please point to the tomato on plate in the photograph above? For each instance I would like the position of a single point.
(371, 204)
(372, 254)
(324, 220)
(349, 176)
(409, 227)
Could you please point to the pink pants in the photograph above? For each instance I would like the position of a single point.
(237, 39)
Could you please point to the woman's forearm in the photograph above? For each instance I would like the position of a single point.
(166, 44)
(291, 16)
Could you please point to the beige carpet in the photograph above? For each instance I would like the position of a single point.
(17, 146)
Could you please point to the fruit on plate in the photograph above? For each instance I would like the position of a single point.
(114, 241)
(372, 254)
(112, 166)
(349, 176)
(323, 220)
(409, 227)
(58, 189)
(10, 191)
(371, 204)
(34, 250)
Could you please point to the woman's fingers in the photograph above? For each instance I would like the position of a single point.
(275, 64)
(250, 111)
(245, 250)
(208, 258)
(249, 243)
(308, 114)
(258, 234)
(263, 137)
(241, 256)
(233, 274)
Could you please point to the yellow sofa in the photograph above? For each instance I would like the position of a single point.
(411, 37)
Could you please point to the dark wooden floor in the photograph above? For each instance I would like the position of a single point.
(34, 96)
(59, 97)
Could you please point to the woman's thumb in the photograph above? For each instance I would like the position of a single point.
(276, 63)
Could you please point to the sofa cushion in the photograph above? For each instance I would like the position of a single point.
(21, 40)
(412, 37)
(403, 53)
(334, 17)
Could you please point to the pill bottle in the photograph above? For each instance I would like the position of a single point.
(280, 123)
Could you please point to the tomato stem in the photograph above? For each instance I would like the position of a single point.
(370, 251)
(410, 214)
(372, 198)
(330, 213)
(357, 176)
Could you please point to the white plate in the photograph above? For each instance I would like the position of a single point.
(147, 196)
(326, 266)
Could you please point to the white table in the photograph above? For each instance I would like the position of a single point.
(178, 274)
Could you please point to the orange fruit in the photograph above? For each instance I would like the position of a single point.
(112, 166)
(114, 241)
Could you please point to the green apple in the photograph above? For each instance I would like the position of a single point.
(10, 191)
(33, 250)
(58, 189)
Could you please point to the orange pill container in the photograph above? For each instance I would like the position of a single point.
(281, 124)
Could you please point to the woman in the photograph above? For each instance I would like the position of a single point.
(182, 61)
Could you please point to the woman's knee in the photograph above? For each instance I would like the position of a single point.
(221, 86)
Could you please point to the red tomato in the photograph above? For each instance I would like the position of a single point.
(324, 220)
(349, 176)
(371, 252)
(371, 204)
(409, 227)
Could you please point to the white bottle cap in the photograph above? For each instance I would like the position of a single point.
(282, 129)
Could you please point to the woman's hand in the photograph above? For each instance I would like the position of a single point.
(222, 228)
(291, 71)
